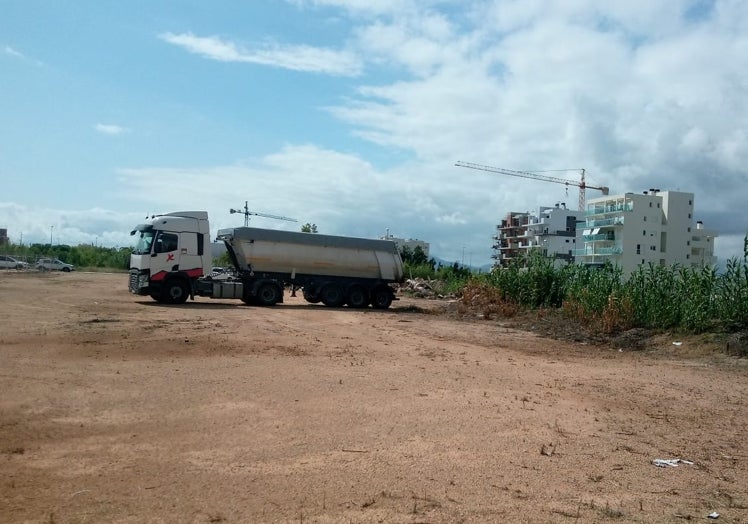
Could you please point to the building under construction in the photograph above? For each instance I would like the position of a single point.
(551, 233)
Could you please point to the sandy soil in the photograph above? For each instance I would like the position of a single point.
(116, 409)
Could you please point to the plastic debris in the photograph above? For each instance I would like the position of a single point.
(670, 463)
(677, 343)
(713, 515)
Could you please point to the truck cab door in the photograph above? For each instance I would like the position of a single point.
(165, 256)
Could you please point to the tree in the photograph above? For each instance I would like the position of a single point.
(415, 256)
(406, 253)
(309, 228)
(419, 256)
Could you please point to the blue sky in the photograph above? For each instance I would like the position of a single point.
(351, 114)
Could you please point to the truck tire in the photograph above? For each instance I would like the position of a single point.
(247, 298)
(358, 296)
(332, 295)
(309, 296)
(175, 291)
(381, 297)
(268, 294)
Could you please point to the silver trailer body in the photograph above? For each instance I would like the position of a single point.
(310, 254)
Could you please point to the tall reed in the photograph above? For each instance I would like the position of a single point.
(660, 297)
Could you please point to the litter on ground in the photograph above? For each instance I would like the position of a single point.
(670, 463)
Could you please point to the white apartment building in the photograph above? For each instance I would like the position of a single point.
(551, 232)
(410, 243)
(655, 227)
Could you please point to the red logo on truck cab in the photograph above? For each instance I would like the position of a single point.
(170, 257)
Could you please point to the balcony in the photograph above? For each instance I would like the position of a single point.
(614, 221)
(610, 208)
(592, 251)
(598, 237)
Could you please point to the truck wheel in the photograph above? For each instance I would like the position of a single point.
(247, 298)
(176, 292)
(268, 294)
(310, 295)
(381, 298)
(332, 295)
(358, 297)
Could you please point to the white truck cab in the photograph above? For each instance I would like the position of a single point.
(171, 250)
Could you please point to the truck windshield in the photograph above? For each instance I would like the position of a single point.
(145, 240)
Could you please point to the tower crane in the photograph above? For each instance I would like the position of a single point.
(247, 213)
(582, 185)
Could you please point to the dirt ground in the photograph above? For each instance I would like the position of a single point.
(117, 409)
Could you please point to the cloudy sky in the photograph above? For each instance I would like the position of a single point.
(350, 114)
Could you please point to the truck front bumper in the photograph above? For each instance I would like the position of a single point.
(139, 282)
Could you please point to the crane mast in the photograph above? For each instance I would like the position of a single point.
(582, 185)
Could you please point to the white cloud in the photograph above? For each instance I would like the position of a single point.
(12, 52)
(15, 53)
(341, 193)
(110, 129)
(98, 226)
(298, 58)
(643, 94)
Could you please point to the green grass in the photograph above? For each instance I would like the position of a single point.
(694, 300)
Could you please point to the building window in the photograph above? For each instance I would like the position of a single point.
(658, 205)
(689, 229)
(650, 204)
(688, 242)
(688, 256)
(690, 203)
(689, 215)
(645, 219)
(638, 249)
(644, 233)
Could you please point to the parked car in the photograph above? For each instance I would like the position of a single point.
(53, 264)
(7, 262)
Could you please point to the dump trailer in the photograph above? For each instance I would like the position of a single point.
(172, 262)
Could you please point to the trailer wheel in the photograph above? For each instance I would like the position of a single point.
(268, 294)
(332, 295)
(381, 297)
(175, 291)
(358, 297)
(312, 298)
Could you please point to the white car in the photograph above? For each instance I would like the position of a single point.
(53, 264)
(7, 262)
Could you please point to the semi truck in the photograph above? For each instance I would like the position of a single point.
(172, 261)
